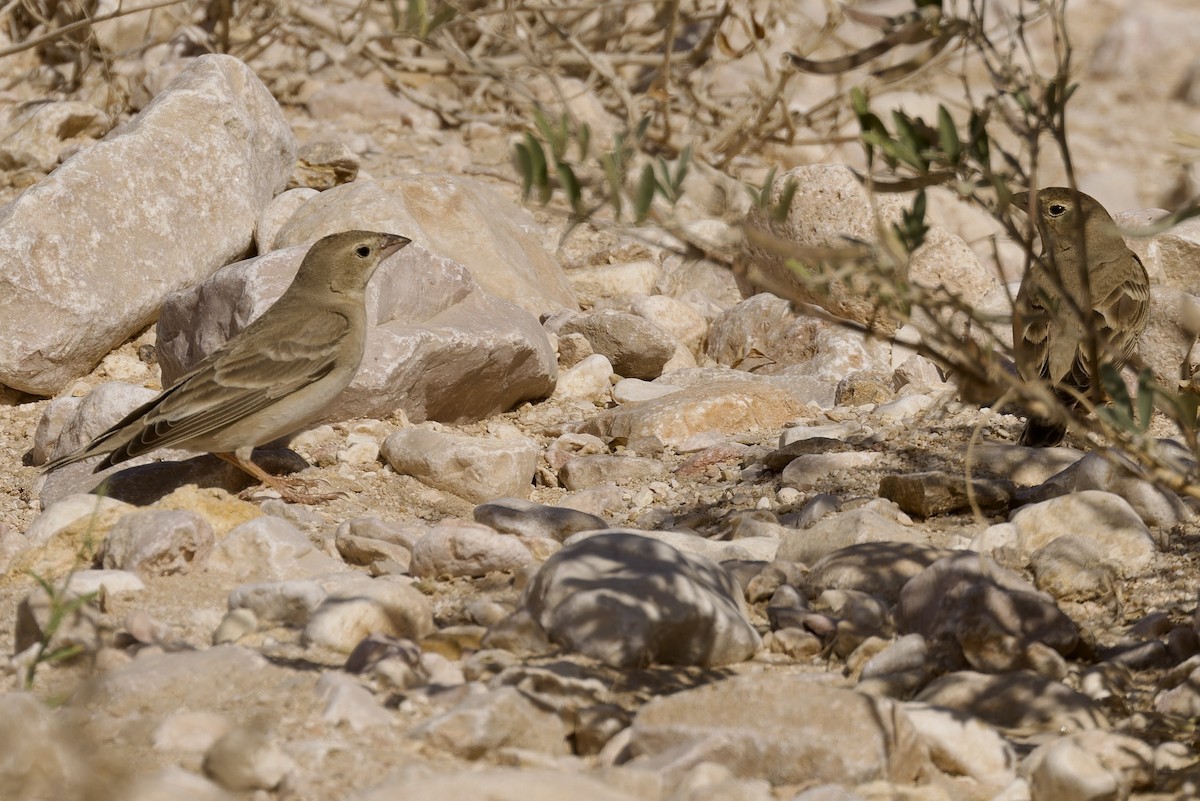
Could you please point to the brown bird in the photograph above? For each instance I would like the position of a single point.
(277, 374)
(1055, 317)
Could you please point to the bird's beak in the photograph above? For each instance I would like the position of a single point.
(392, 243)
(1020, 201)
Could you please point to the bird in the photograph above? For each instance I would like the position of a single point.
(275, 375)
(1055, 318)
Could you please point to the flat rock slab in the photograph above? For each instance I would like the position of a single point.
(726, 407)
(87, 254)
(785, 729)
(935, 492)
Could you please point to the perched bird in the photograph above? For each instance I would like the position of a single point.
(1057, 314)
(278, 373)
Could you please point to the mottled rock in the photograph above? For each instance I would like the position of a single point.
(1100, 517)
(879, 567)
(288, 603)
(1172, 324)
(476, 468)
(1004, 701)
(363, 607)
(970, 608)
(348, 702)
(459, 548)
(964, 746)
(69, 424)
(488, 721)
(634, 346)
(722, 408)
(528, 519)
(832, 533)
(581, 472)
(39, 757)
(278, 211)
(764, 335)
(830, 208)
(810, 470)
(35, 136)
(497, 784)
(323, 165)
(1090, 766)
(785, 729)
(269, 548)
(587, 380)
(1074, 568)
(629, 600)
(610, 280)
(247, 758)
(934, 492)
(157, 542)
(681, 321)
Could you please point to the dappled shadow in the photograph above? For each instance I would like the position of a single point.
(142, 485)
(630, 600)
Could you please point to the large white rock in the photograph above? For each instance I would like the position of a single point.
(459, 219)
(87, 255)
(476, 468)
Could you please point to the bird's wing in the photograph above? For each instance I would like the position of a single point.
(249, 375)
(1031, 330)
(1125, 305)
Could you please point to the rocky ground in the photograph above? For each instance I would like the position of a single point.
(607, 529)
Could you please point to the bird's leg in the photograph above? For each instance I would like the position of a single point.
(284, 485)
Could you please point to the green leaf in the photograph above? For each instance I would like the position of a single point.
(978, 146)
(762, 194)
(444, 14)
(645, 193)
(417, 14)
(908, 143)
(570, 185)
(523, 162)
(1122, 405)
(858, 102)
(948, 136)
(639, 131)
(780, 209)
(884, 143)
(584, 140)
(614, 174)
(662, 179)
(540, 178)
(1147, 389)
(554, 133)
(681, 169)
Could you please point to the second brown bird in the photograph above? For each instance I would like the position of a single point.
(1057, 314)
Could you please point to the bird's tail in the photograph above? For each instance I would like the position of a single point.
(1040, 433)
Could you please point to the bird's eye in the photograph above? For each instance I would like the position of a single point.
(362, 251)
(1057, 209)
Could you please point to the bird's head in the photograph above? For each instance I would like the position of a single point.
(345, 262)
(1063, 215)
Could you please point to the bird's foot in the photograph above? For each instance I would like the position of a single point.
(293, 489)
(286, 486)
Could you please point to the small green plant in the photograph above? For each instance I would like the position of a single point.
(62, 606)
(545, 165)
